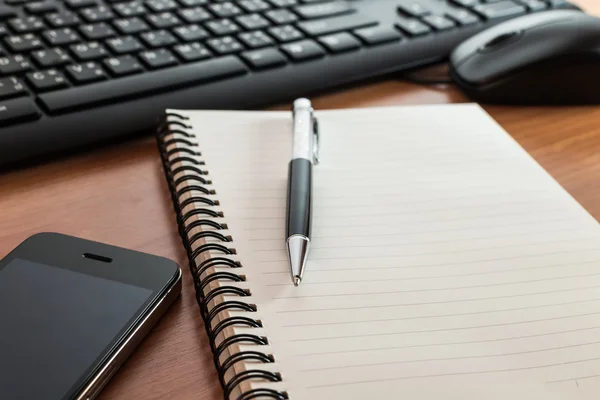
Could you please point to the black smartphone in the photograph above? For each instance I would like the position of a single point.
(72, 311)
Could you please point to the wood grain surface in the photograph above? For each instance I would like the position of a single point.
(118, 195)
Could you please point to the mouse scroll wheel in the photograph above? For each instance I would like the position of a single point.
(505, 38)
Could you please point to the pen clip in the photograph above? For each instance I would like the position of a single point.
(316, 143)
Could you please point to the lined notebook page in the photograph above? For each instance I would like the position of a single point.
(442, 255)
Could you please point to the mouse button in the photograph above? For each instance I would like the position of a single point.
(470, 47)
(501, 40)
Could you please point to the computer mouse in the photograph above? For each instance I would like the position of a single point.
(546, 58)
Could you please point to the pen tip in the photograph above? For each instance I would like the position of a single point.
(297, 280)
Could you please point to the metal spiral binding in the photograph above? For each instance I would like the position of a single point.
(181, 165)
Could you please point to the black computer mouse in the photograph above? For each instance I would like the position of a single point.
(551, 57)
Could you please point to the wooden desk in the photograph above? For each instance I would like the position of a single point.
(118, 195)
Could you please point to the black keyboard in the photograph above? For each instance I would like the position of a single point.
(77, 72)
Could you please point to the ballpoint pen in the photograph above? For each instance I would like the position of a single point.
(299, 195)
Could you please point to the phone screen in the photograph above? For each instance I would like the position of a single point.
(55, 324)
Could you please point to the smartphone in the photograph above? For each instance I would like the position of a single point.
(72, 311)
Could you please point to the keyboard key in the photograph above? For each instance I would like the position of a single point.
(534, 5)
(43, 81)
(321, 10)
(50, 58)
(7, 12)
(75, 4)
(25, 25)
(96, 14)
(130, 26)
(159, 58)
(283, 3)
(18, 110)
(158, 6)
(339, 42)
(191, 52)
(11, 87)
(23, 43)
(85, 73)
(501, 9)
(222, 27)
(195, 14)
(465, 3)
(439, 23)
(303, 50)
(190, 33)
(225, 10)
(60, 37)
(160, 38)
(88, 51)
(225, 45)
(3, 30)
(377, 35)
(463, 17)
(253, 21)
(192, 3)
(332, 25)
(286, 33)
(557, 3)
(124, 45)
(264, 58)
(100, 30)
(10, 65)
(412, 27)
(121, 66)
(41, 7)
(281, 17)
(415, 9)
(254, 5)
(62, 19)
(163, 20)
(255, 39)
(131, 9)
(144, 84)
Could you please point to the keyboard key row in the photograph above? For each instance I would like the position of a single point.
(298, 49)
(89, 11)
(126, 64)
(143, 84)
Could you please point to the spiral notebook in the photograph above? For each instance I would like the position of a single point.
(445, 263)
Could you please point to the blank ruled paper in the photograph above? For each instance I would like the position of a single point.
(444, 260)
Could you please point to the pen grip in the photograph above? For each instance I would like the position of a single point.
(299, 198)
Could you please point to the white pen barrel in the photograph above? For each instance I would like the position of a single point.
(303, 135)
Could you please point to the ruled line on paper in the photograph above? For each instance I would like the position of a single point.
(435, 289)
(395, 202)
(575, 378)
(452, 358)
(494, 272)
(432, 253)
(443, 329)
(436, 302)
(536, 335)
(515, 225)
(558, 278)
(455, 373)
(465, 262)
(440, 315)
(527, 212)
(449, 240)
(325, 216)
